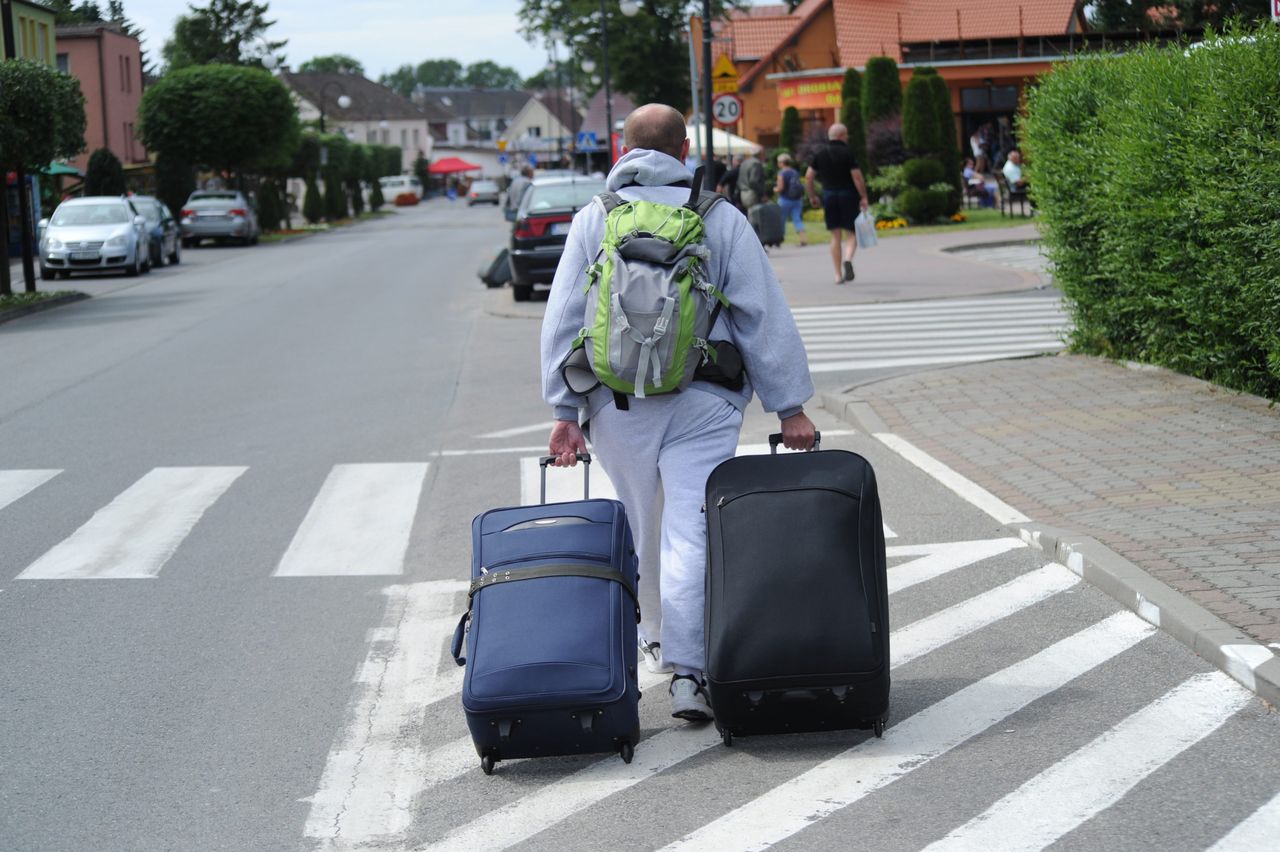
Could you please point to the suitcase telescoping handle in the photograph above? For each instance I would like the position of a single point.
(585, 458)
(776, 438)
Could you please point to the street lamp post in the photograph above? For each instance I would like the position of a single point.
(557, 35)
(629, 8)
(706, 77)
(343, 100)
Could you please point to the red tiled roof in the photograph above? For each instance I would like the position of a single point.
(866, 28)
(754, 37)
(768, 10)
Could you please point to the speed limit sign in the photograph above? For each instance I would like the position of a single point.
(726, 109)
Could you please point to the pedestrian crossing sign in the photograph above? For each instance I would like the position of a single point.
(724, 77)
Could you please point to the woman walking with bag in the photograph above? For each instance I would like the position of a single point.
(790, 193)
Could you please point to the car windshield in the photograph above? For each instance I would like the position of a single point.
(562, 196)
(202, 196)
(212, 203)
(484, 186)
(90, 214)
(149, 209)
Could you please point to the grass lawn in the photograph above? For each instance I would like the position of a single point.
(284, 236)
(22, 300)
(978, 220)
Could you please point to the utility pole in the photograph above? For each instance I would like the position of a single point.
(706, 77)
(24, 203)
(608, 90)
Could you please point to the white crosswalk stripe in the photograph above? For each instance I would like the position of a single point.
(1098, 775)
(16, 484)
(359, 523)
(1259, 831)
(842, 780)
(135, 534)
(899, 334)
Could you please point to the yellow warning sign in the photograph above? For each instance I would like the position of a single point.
(724, 77)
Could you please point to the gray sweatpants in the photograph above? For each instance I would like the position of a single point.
(659, 455)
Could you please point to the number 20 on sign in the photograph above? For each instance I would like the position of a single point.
(726, 109)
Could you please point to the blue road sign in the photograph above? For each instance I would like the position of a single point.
(533, 159)
(502, 159)
(587, 139)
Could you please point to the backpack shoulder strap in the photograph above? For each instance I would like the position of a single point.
(705, 202)
(608, 202)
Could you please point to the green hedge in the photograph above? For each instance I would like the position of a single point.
(1157, 178)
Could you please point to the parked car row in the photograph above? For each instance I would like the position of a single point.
(136, 233)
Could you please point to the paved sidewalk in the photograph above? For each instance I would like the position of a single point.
(909, 266)
(1178, 476)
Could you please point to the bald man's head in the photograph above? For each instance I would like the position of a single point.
(838, 131)
(655, 127)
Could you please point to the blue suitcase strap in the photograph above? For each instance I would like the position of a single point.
(494, 578)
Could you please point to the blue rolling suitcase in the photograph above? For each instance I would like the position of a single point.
(550, 631)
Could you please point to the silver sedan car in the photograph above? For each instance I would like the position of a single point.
(92, 234)
(218, 214)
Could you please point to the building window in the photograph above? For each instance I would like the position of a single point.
(404, 138)
(128, 74)
(535, 132)
(416, 137)
(42, 49)
(64, 63)
(372, 136)
(120, 64)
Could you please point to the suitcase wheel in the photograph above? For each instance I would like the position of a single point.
(626, 751)
(486, 764)
(727, 736)
(879, 727)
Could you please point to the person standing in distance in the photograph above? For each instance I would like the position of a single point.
(844, 195)
(660, 450)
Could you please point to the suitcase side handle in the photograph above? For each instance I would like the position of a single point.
(776, 438)
(585, 458)
(459, 636)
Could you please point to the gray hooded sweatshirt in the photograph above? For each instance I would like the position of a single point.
(759, 322)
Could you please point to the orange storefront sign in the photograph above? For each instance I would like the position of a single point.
(810, 93)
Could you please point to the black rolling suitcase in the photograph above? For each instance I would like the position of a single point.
(769, 223)
(496, 271)
(797, 608)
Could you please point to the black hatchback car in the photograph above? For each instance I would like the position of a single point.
(543, 220)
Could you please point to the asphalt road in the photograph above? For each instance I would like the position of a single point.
(235, 501)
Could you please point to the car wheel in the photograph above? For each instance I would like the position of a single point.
(47, 274)
(188, 243)
(133, 269)
(176, 257)
(157, 260)
(146, 264)
(521, 292)
(253, 241)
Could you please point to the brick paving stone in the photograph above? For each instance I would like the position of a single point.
(1179, 476)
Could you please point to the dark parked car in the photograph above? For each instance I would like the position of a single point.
(166, 237)
(218, 214)
(537, 241)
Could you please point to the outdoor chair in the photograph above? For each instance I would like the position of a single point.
(1008, 195)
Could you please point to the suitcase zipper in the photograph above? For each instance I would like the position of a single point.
(722, 502)
(586, 557)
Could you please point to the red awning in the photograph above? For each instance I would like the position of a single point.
(449, 165)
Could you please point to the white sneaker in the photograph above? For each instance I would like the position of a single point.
(651, 653)
(689, 699)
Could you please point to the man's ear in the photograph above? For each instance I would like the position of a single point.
(625, 150)
(684, 150)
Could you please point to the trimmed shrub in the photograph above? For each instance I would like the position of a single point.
(881, 91)
(335, 199)
(313, 204)
(920, 131)
(375, 196)
(270, 208)
(884, 144)
(175, 181)
(104, 174)
(789, 135)
(1157, 178)
(948, 141)
(923, 173)
(921, 206)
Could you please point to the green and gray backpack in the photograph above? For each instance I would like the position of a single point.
(650, 301)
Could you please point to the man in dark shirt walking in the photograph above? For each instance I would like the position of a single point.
(844, 194)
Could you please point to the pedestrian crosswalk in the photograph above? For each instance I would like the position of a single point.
(899, 334)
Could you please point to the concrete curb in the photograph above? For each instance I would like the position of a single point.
(1236, 653)
(43, 305)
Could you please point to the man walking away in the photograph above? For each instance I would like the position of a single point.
(842, 187)
(659, 449)
(728, 185)
(751, 181)
(515, 191)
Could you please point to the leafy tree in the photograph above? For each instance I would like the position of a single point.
(68, 12)
(226, 32)
(851, 87)
(421, 170)
(270, 207)
(224, 117)
(403, 80)
(357, 165)
(334, 63)
(373, 171)
(175, 181)
(1113, 15)
(104, 175)
(305, 161)
(335, 199)
(313, 204)
(789, 135)
(491, 75)
(948, 141)
(881, 90)
(43, 112)
(391, 160)
(439, 73)
(851, 114)
(655, 33)
(375, 195)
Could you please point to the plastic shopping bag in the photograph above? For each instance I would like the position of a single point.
(865, 227)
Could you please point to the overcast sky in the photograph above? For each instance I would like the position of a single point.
(382, 34)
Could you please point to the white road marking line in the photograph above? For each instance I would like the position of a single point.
(489, 451)
(1259, 831)
(545, 426)
(359, 523)
(1097, 776)
(16, 484)
(934, 560)
(135, 534)
(970, 491)
(855, 345)
(376, 767)
(934, 305)
(920, 637)
(525, 817)
(938, 324)
(884, 363)
(844, 779)
(829, 340)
